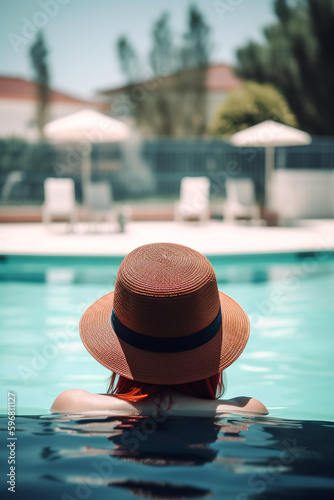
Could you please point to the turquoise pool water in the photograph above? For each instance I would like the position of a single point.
(287, 364)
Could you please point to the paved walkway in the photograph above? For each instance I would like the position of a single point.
(212, 238)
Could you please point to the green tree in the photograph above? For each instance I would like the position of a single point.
(298, 59)
(157, 110)
(128, 60)
(175, 103)
(196, 49)
(252, 104)
(162, 55)
(39, 60)
(190, 80)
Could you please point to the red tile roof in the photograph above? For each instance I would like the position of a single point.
(222, 77)
(18, 88)
(219, 77)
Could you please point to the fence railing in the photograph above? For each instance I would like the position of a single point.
(154, 168)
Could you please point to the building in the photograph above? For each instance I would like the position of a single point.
(217, 80)
(18, 107)
(220, 81)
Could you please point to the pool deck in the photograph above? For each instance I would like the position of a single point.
(212, 238)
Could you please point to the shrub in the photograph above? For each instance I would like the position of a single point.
(252, 104)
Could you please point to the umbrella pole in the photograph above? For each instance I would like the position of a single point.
(269, 168)
(86, 167)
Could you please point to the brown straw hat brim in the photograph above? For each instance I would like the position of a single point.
(221, 351)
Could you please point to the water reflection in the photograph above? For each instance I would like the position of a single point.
(174, 457)
(177, 442)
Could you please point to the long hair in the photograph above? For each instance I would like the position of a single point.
(130, 390)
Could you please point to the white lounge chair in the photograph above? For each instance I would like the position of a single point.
(240, 200)
(98, 202)
(194, 199)
(59, 200)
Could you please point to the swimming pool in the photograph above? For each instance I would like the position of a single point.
(287, 364)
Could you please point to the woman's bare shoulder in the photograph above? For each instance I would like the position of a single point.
(241, 404)
(188, 405)
(79, 400)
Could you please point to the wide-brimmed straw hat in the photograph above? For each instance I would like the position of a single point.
(165, 322)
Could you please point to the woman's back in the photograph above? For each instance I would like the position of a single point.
(78, 400)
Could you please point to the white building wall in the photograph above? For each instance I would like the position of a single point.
(18, 116)
(214, 100)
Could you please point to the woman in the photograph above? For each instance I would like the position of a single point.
(168, 333)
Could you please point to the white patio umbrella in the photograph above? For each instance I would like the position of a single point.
(268, 135)
(85, 128)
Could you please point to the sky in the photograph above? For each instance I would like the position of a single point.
(81, 35)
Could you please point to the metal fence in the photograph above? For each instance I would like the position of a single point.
(153, 169)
